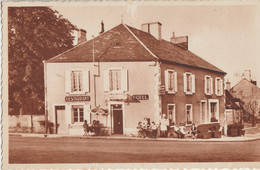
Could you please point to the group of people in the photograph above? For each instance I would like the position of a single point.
(147, 129)
(167, 128)
(92, 129)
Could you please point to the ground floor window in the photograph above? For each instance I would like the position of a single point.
(188, 110)
(171, 112)
(213, 110)
(203, 110)
(78, 114)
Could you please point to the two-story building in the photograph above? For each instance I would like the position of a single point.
(133, 74)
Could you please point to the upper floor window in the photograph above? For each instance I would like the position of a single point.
(170, 81)
(189, 83)
(116, 80)
(188, 110)
(208, 85)
(218, 86)
(77, 81)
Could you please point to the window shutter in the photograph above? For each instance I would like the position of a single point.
(205, 84)
(184, 82)
(106, 80)
(193, 83)
(86, 81)
(211, 85)
(175, 81)
(166, 77)
(216, 86)
(221, 87)
(67, 81)
(87, 113)
(124, 79)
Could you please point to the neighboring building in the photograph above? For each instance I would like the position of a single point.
(233, 109)
(247, 91)
(133, 75)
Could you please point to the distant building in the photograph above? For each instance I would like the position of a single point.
(133, 74)
(247, 91)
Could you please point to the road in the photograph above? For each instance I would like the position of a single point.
(91, 150)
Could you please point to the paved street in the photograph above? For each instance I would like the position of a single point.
(91, 150)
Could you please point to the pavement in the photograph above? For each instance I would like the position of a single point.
(247, 137)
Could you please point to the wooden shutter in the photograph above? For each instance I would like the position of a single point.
(124, 79)
(87, 113)
(67, 81)
(193, 83)
(175, 81)
(86, 81)
(106, 80)
(166, 77)
(221, 87)
(184, 82)
(216, 86)
(205, 84)
(211, 85)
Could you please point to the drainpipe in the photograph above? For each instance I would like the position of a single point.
(45, 97)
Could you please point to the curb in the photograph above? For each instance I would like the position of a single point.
(135, 138)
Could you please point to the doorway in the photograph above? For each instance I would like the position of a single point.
(117, 113)
(60, 120)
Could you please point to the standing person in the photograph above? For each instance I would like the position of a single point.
(85, 126)
(163, 125)
(182, 130)
(193, 130)
(154, 130)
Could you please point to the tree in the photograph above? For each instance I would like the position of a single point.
(35, 34)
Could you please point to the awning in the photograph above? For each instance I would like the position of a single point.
(99, 110)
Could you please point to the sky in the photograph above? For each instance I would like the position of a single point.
(227, 36)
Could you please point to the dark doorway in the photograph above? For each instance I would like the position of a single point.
(118, 118)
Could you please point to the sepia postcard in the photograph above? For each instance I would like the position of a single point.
(131, 85)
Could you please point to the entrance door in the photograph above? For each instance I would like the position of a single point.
(203, 111)
(61, 124)
(118, 118)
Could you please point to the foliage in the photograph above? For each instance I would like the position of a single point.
(35, 34)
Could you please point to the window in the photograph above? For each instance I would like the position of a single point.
(115, 80)
(77, 81)
(170, 81)
(78, 114)
(208, 88)
(171, 112)
(189, 83)
(218, 86)
(188, 110)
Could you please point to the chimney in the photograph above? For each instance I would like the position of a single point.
(180, 41)
(82, 36)
(228, 85)
(102, 27)
(153, 28)
(247, 75)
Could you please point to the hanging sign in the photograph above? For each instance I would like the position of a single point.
(77, 98)
(140, 97)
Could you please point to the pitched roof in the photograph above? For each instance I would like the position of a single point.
(125, 43)
(230, 101)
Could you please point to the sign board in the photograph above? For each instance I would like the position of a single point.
(140, 97)
(77, 98)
